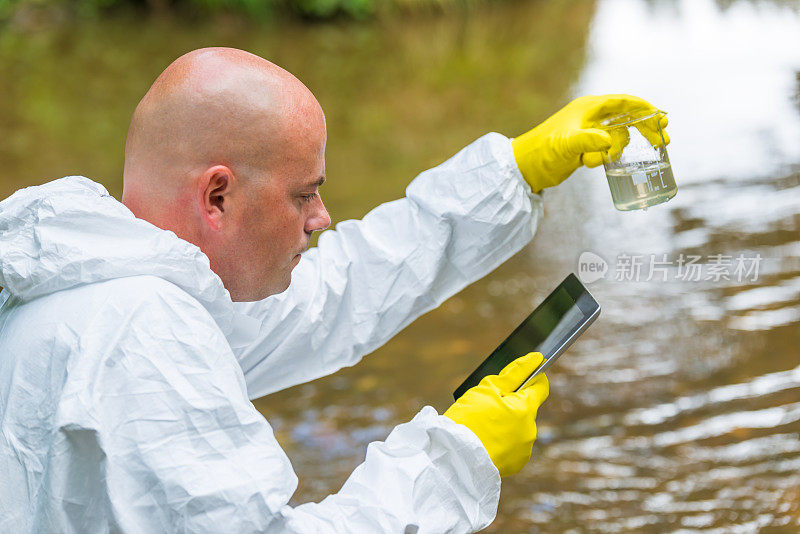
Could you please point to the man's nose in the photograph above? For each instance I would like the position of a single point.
(320, 219)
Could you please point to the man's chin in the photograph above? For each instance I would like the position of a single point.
(273, 289)
(281, 286)
(278, 288)
(286, 284)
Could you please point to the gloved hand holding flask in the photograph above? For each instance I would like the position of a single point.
(549, 153)
(505, 420)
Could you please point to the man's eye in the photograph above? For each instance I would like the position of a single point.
(309, 198)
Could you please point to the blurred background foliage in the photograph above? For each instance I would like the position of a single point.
(386, 87)
(260, 9)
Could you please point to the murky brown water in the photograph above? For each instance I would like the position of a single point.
(679, 410)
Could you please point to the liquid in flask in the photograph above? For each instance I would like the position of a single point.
(641, 186)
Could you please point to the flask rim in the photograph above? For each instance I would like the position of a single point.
(628, 118)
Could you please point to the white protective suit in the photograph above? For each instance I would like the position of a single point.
(126, 371)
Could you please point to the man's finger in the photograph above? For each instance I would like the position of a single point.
(538, 390)
(613, 104)
(531, 397)
(619, 140)
(588, 140)
(592, 159)
(515, 373)
(652, 132)
(662, 122)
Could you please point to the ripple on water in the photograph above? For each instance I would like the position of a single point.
(727, 423)
(758, 386)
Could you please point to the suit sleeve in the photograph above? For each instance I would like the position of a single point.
(370, 278)
(161, 437)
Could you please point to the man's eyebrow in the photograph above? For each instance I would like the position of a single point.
(319, 182)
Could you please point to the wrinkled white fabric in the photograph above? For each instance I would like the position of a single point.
(126, 371)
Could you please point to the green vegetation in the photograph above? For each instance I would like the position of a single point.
(400, 93)
(261, 9)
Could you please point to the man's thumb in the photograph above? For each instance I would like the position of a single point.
(515, 373)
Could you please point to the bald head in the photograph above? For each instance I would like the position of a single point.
(215, 106)
(222, 135)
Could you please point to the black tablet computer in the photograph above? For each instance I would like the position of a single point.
(550, 329)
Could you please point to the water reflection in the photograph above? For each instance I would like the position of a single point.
(726, 77)
(687, 388)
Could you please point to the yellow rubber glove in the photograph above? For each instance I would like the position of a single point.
(549, 153)
(505, 421)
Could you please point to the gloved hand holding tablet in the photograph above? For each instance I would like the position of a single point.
(550, 329)
(500, 399)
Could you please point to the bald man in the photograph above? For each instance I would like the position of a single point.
(133, 335)
(227, 150)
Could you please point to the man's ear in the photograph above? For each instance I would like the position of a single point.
(215, 186)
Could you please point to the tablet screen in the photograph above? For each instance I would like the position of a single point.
(549, 329)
